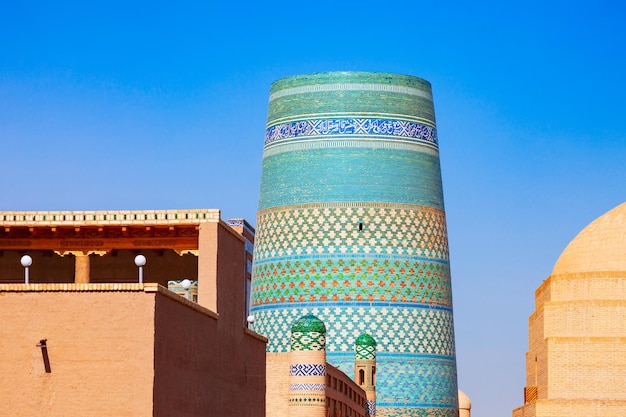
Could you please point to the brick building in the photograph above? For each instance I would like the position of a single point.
(576, 359)
(85, 338)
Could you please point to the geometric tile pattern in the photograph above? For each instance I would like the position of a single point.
(370, 408)
(382, 229)
(307, 376)
(351, 279)
(307, 369)
(417, 412)
(425, 380)
(398, 329)
(307, 400)
(308, 341)
(365, 352)
(350, 126)
(307, 387)
(409, 380)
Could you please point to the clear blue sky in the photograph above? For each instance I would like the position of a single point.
(159, 105)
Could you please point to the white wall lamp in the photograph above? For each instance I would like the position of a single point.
(140, 261)
(186, 284)
(26, 262)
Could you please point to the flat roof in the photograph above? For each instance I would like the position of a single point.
(108, 217)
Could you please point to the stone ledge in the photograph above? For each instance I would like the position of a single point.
(149, 287)
(73, 287)
(255, 335)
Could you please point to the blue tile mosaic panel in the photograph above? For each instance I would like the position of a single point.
(409, 381)
(349, 278)
(384, 229)
(347, 127)
(409, 329)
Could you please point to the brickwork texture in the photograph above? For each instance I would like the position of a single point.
(576, 360)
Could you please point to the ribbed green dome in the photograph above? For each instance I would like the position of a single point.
(365, 340)
(308, 323)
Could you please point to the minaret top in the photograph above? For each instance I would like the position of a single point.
(308, 323)
(365, 340)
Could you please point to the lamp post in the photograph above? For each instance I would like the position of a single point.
(186, 284)
(250, 320)
(26, 262)
(140, 261)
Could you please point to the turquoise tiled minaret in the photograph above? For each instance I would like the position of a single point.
(351, 228)
(307, 374)
(365, 370)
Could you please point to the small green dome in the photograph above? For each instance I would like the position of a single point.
(365, 340)
(308, 323)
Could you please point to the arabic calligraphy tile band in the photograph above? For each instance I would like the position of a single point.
(351, 126)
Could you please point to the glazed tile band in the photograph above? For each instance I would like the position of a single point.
(350, 87)
(348, 127)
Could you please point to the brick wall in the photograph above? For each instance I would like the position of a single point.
(99, 347)
(203, 368)
(277, 392)
(602, 285)
(343, 395)
(577, 346)
(124, 350)
(587, 368)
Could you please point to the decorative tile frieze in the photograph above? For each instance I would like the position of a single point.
(358, 127)
(376, 229)
(307, 387)
(307, 369)
(400, 329)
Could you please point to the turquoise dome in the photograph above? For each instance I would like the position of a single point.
(308, 323)
(365, 340)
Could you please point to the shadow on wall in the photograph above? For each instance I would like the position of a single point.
(114, 267)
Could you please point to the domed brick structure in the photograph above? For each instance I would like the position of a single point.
(576, 360)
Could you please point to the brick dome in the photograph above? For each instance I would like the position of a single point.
(601, 246)
(464, 401)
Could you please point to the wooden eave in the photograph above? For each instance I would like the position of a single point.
(99, 237)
